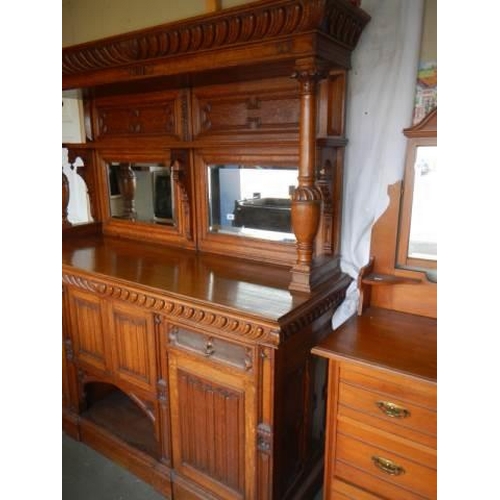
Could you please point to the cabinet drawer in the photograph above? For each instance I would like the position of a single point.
(398, 386)
(391, 443)
(383, 472)
(384, 403)
(214, 348)
(340, 490)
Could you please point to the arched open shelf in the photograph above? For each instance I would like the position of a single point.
(124, 416)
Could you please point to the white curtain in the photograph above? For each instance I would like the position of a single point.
(381, 90)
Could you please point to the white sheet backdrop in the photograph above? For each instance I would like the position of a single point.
(381, 89)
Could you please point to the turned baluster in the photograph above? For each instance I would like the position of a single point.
(128, 184)
(306, 201)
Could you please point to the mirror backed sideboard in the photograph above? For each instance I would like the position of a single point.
(213, 160)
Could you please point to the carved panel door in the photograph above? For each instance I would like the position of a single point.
(213, 410)
(90, 347)
(133, 346)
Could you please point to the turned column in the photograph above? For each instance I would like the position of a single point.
(306, 201)
(128, 184)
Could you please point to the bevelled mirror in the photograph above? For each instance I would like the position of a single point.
(244, 204)
(417, 237)
(145, 195)
(141, 192)
(251, 200)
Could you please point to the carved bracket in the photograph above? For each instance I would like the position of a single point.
(180, 176)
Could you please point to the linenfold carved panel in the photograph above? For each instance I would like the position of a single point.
(133, 346)
(212, 425)
(88, 341)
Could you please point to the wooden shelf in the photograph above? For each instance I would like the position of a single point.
(388, 279)
(118, 414)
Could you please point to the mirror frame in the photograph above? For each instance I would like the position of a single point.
(423, 133)
(277, 252)
(181, 231)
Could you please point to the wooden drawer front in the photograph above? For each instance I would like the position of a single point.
(405, 388)
(394, 444)
(155, 115)
(395, 477)
(396, 404)
(230, 110)
(216, 349)
(412, 421)
(344, 491)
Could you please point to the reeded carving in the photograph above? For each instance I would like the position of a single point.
(339, 20)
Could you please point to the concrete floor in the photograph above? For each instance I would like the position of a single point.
(87, 475)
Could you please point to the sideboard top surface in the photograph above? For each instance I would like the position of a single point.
(386, 339)
(245, 286)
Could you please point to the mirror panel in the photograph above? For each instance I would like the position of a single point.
(252, 201)
(417, 232)
(141, 192)
(423, 224)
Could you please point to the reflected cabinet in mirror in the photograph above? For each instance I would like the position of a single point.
(251, 200)
(417, 238)
(141, 192)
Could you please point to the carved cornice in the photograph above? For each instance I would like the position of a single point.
(196, 316)
(328, 304)
(179, 311)
(266, 21)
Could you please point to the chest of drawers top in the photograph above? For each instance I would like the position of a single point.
(388, 340)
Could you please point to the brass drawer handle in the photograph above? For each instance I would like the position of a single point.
(392, 410)
(388, 466)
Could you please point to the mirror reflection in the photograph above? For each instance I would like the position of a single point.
(423, 226)
(248, 200)
(141, 192)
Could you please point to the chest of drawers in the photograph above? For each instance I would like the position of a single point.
(382, 408)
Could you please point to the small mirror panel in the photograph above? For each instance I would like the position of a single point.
(141, 192)
(252, 201)
(423, 224)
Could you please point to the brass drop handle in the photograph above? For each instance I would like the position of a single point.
(209, 348)
(388, 466)
(392, 410)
